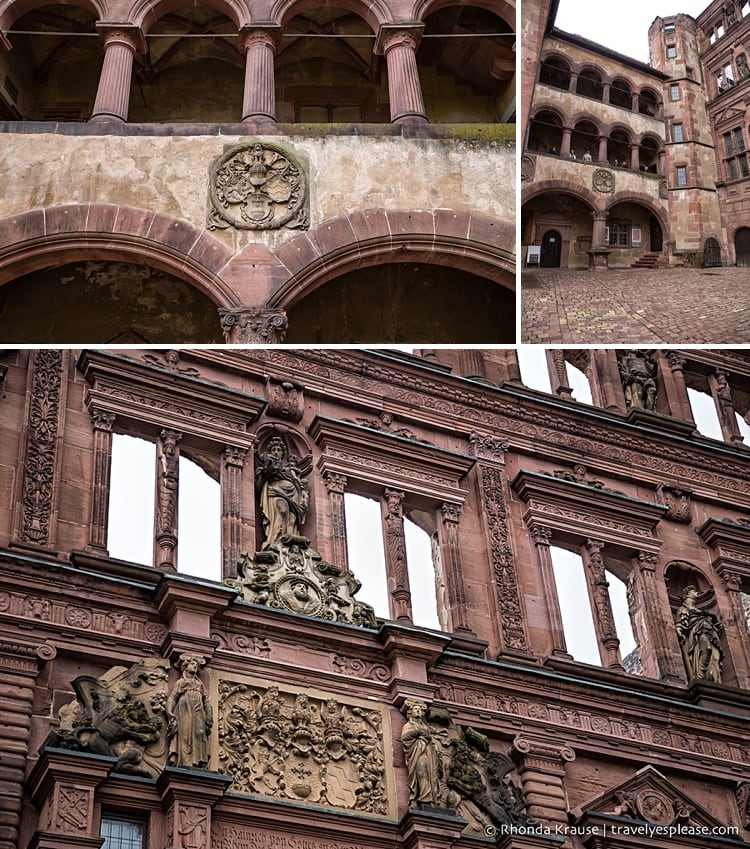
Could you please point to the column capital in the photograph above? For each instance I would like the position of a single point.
(334, 482)
(540, 534)
(266, 33)
(233, 456)
(128, 34)
(599, 214)
(408, 34)
(451, 512)
(101, 419)
(249, 326)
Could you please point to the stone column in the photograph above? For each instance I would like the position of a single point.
(602, 153)
(599, 229)
(573, 82)
(736, 631)
(450, 557)
(541, 766)
(167, 485)
(724, 403)
(248, 326)
(541, 537)
(121, 43)
(655, 631)
(670, 368)
(635, 157)
(634, 97)
(395, 555)
(336, 486)
(398, 43)
(607, 378)
(605, 92)
(102, 472)
(259, 43)
(567, 134)
(601, 604)
(232, 464)
(662, 162)
(558, 374)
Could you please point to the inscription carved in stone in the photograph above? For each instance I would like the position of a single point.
(304, 746)
(257, 186)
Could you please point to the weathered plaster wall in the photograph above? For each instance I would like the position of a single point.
(581, 173)
(170, 174)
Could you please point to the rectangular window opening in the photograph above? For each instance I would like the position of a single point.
(364, 539)
(120, 833)
(575, 608)
(131, 499)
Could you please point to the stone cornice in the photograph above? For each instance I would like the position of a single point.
(386, 460)
(580, 511)
(148, 399)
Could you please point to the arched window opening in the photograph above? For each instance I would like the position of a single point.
(572, 593)
(467, 66)
(199, 522)
(54, 76)
(620, 94)
(585, 140)
(554, 72)
(618, 149)
(189, 79)
(364, 540)
(648, 156)
(131, 499)
(545, 133)
(334, 79)
(590, 84)
(648, 103)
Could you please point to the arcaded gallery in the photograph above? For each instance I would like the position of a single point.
(247, 171)
(437, 600)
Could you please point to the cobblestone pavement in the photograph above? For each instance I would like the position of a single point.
(672, 306)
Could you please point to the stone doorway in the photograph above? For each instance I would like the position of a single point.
(655, 235)
(711, 253)
(742, 247)
(551, 249)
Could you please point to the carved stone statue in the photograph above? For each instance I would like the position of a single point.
(421, 757)
(638, 376)
(698, 632)
(189, 716)
(283, 492)
(120, 715)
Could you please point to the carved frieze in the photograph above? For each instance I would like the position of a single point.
(304, 746)
(41, 446)
(258, 186)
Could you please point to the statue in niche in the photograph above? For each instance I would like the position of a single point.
(189, 716)
(638, 376)
(698, 632)
(422, 764)
(120, 715)
(283, 493)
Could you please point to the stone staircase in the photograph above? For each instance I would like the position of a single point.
(648, 260)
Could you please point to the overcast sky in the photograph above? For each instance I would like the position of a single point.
(621, 26)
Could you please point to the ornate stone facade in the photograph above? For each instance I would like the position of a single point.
(264, 706)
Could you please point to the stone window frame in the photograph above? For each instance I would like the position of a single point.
(406, 476)
(674, 92)
(735, 154)
(620, 226)
(681, 176)
(671, 51)
(128, 818)
(133, 398)
(677, 131)
(575, 516)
